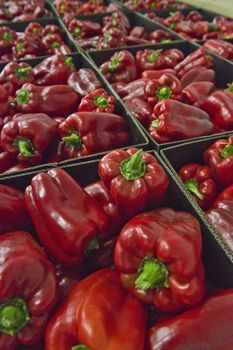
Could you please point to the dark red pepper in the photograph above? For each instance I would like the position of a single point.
(97, 101)
(197, 74)
(198, 92)
(84, 81)
(7, 39)
(14, 75)
(82, 29)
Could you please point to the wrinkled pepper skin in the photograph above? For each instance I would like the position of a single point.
(197, 74)
(83, 81)
(28, 295)
(175, 120)
(199, 182)
(120, 68)
(53, 70)
(28, 136)
(84, 133)
(219, 158)
(219, 106)
(206, 326)
(159, 256)
(97, 101)
(13, 212)
(53, 100)
(197, 93)
(98, 314)
(220, 215)
(82, 221)
(14, 75)
(134, 178)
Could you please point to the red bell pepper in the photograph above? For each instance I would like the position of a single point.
(148, 59)
(24, 47)
(199, 182)
(140, 109)
(83, 29)
(34, 29)
(14, 75)
(135, 88)
(111, 39)
(97, 101)
(121, 67)
(52, 100)
(13, 211)
(117, 19)
(82, 224)
(219, 157)
(51, 42)
(7, 39)
(220, 47)
(194, 16)
(7, 160)
(85, 133)
(4, 105)
(138, 32)
(84, 81)
(219, 106)
(98, 314)
(159, 36)
(198, 58)
(135, 180)
(206, 326)
(166, 87)
(53, 70)
(176, 121)
(119, 88)
(156, 74)
(27, 295)
(197, 74)
(159, 256)
(28, 136)
(50, 29)
(197, 93)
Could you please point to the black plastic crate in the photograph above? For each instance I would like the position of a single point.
(218, 261)
(137, 136)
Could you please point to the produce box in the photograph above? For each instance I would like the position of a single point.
(223, 70)
(154, 6)
(137, 137)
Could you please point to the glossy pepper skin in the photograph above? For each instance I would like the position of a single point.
(159, 256)
(148, 59)
(83, 222)
(220, 215)
(219, 106)
(197, 93)
(53, 100)
(174, 120)
(52, 42)
(206, 326)
(134, 178)
(220, 47)
(199, 182)
(198, 58)
(7, 160)
(197, 74)
(7, 39)
(83, 81)
(97, 101)
(219, 158)
(53, 70)
(28, 136)
(166, 87)
(13, 212)
(112, 317)
(121, 67)
(28, 296)
(85, 133)
(4, 105)
(140, 109)
(156, 74)
(24, 47)
(14, 75)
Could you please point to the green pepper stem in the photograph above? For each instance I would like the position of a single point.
(93, 244)
(24, 146)
(133, 167)
(22, 96)
(78, 31)
(114, 63)
(20, 47)
(163, 93)
(13, 316)
(155, 123)
(6, 37)
(101, 101)
(165, 41)
(55, 45)
(193, 187)
(74, 140)
(227, 151)
(80, 347)
(173, 25)
(152, 57)
(23, 72)
(36, 31)
(153, 273)
(69, 61)
(230, 87)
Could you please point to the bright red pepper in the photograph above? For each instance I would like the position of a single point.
(28, 136)
(83, 223)
(219, 106)
(85, 133)
(14, 75)
(156, 74)
(121, 67)
(7, 39)
(135, 180)
(98, 314)
(197, 93)
(53, 70)
(197, 74)
(206, 326)
(53, 100)
(199, 182)
(219, 157)
(27, 294)
(159, 256)
(84, 81)
(97, 101)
